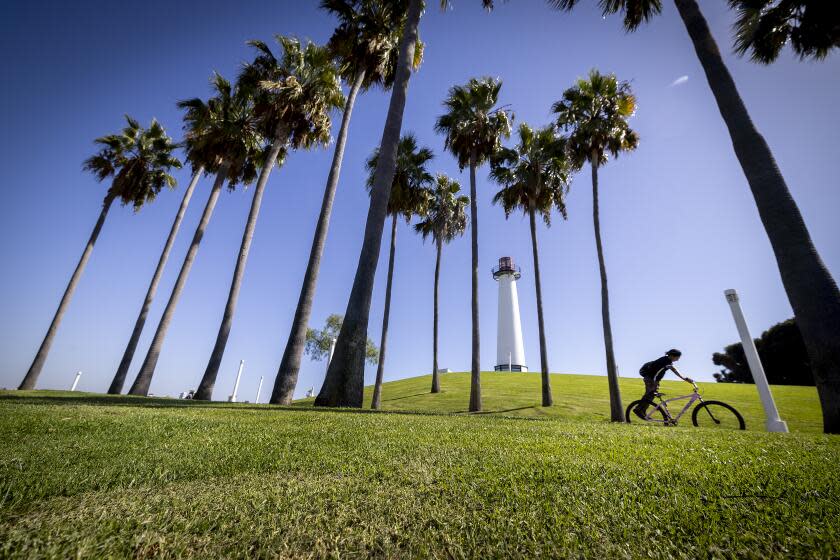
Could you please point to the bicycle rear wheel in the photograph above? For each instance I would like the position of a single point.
(654, 414)
(717, 415)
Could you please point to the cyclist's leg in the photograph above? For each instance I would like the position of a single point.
(651, 385)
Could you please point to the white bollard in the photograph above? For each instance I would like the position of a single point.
(771, 413)
(236, 385)
(332, 349)
(259, 388)
(76, 380)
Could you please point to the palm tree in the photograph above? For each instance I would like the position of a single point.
(117, 383)
(139, 161)
(293, 98)
(344, 384)
(365, 47)
(595, 112)
(222, 137)
(473, 128)
(811, 290)
(764, 27)
(446, 219)
(409, 197)
(535, 179)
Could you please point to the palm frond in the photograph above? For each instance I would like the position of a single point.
(472, 125)
(409, 189)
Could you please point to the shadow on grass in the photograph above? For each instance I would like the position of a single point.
(93, 399)
(498, 411)
(407, 397)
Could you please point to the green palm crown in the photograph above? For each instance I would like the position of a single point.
(294, 93)
(595, 113)
(534, 175)
(223, 130)
(635, 12)
(367, 39)
(139, 160)
(446, 216)
(409, 190)
(473, 126)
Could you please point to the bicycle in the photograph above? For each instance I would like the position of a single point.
(707, 414)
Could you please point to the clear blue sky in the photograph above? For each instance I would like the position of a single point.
(679, 223)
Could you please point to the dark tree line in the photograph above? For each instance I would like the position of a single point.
(782, 352)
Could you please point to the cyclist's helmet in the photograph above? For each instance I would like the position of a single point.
(673, 352)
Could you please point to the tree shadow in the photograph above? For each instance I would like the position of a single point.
(497, 411)
(114, 400)
(407, 397)
(24, 397)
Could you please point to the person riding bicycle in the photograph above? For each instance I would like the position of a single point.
(652, 373)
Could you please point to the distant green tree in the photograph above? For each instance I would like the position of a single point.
(535, 179)
(595, 113)
(319, 341)
(473, 127)
(764, 27)
(139, 161)
(782, 352)
(445, 220)
(409, 198)
(365, 46)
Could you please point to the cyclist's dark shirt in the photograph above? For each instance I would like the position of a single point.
(656, 368)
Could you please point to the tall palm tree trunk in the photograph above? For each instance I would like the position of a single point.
(616, 408)
(811, 290)
(380, 368)
(475, 366)
(547, 399)
(435, 374)
(287, 374)
(344, 383)
(119, 378)
(208, 381)
(31, 376)
(147, 370)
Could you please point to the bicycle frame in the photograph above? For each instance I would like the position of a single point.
(663, 406)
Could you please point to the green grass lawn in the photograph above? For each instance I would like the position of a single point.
(585, 397)
(92, 476)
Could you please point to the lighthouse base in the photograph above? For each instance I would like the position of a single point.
(510, 367)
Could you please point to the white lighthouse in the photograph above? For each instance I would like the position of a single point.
(510, 353)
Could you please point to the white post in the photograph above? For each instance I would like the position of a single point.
(236, 385)
(259, 388)
(510, 361)
(332, 349)
(76, 380)
(771, 413)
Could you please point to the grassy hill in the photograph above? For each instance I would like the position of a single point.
(92, 476)
(584, 397)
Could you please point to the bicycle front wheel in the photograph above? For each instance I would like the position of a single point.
(717, 415)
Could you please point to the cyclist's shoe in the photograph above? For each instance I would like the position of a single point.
(639, 413)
